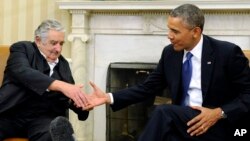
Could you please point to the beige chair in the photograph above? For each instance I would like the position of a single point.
(247, 54)
(4, 53)
(16, 139)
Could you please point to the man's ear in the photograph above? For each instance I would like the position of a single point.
(38, 40)
(196, 32)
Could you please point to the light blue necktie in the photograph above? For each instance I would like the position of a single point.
(186, 77)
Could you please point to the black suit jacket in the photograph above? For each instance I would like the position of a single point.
(225, 79)
(24, 74)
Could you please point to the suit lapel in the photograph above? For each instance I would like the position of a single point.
(41, 63)
(64, 70)
(208, 60)
(35, 58)
(175, 75)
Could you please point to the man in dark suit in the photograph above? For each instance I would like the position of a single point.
(38, 86)
(216, 97)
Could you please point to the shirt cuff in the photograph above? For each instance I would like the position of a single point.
(111, 98)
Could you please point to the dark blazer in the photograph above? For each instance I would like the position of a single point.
(225, 79)
(24, 74)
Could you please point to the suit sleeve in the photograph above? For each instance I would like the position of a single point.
(19, 69)
(239, 76)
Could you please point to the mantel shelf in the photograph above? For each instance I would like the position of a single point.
(154, 5)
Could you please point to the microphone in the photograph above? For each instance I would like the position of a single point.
(61, 129)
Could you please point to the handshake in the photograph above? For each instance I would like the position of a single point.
(81, 99)
(95, 98)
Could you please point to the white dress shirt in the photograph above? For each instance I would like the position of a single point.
(51, 64)
(194, 97)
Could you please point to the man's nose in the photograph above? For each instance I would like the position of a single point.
(58, 47)
(170, 36)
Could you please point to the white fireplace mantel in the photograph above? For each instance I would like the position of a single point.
(155, 5)
(135, 31)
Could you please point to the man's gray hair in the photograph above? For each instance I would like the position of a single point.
(190, 14)
(43, 29)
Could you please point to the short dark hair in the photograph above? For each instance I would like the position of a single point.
(191, 15)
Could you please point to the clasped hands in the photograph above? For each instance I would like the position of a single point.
(95, 98)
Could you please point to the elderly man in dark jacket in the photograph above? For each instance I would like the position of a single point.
(38, 86)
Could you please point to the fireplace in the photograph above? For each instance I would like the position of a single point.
(128, 123)
(104, 32)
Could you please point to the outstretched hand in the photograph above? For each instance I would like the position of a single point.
(97, 97)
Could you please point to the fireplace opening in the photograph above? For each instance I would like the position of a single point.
(128, 123)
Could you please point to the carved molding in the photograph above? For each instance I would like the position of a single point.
(214, 5)
(232, 7)
(166, 12)
(83, 37)
(79, 11)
